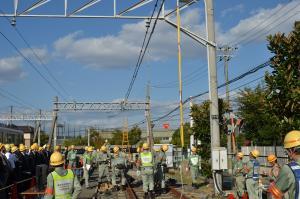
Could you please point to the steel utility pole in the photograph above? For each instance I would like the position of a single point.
(180, 75)
(212, 76)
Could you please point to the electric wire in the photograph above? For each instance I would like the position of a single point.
(28, 105)
(32, 65)
(42, 63)
(142, 53)
(255, 35)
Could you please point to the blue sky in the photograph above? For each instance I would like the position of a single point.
(94, 58)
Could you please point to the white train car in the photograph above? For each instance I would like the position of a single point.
(11, 135)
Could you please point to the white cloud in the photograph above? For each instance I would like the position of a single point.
(262, 23)
(41, 53)
(122, 50)
(233, 9)
(10, 69)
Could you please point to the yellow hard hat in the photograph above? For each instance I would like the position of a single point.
(90, 149)
(165, 147)
(194, 149)
(292, 139)
(1, 145)
(138, 149)
(271, 158)
(240, 154)
(57, 148)
(156, 149)
(86, 148)
(116, 149)
(255, 153)
(7, 147)
(11, 145)
(103, 148)
(14, 149)
(72, 146)
(145, 146)
(22, 148)
(56, 159)
(41, 148)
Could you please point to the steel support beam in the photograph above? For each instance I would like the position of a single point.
(99, 106)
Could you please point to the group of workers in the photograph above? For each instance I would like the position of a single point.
(19, 162)
(112, 169)
(284, 182)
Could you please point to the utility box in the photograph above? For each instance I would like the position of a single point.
(219, 158)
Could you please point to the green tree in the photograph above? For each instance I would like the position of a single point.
(117, 138)
(134, 135)
(78, 141)
(176, 136)
(44, 138)
(96, 139)
(260, 126)
(283, 83)
(201, 117)
(201, 129)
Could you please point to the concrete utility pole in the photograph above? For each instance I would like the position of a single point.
(89, 135)
(11, 114)
(226, 56)
(213, 90)
(54, 124)
(192, 139)
(148, 118)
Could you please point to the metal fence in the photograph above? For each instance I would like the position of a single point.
(264, 151)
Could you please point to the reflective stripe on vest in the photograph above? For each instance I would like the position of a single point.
(255, 170)
(147, 158)
(194, 160)
(295, 167)
(63, 185)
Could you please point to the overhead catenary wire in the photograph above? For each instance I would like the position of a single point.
(42, 63)
(250, 35)
(32, 65)
(253, 70)
(142, 52)
(20, 101)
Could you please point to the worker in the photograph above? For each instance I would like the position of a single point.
(252, 174)
(118, 168)
(146, 165)
(5, 172)
(287, 183)
(87, 165)
(57, 148)
(103, 160)
(162, 167)
(194, 166)
(238, 173)
(274, 172)
(61, 183)
(71, 157)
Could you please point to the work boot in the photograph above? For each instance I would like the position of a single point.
(145, 195)
(115, 188)
(152, 194)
